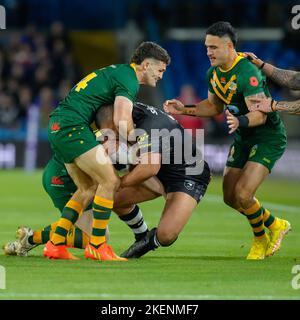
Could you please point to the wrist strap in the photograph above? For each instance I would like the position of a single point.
(190, 106)
(243, 121)
(263, 64)
(273, 104)
(190, 109)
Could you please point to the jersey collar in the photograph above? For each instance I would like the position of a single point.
(133, 66)
(236, 60)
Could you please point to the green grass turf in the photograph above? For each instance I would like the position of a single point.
(207, 262)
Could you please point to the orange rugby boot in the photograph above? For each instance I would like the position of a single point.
(57, 252)
(103, 253)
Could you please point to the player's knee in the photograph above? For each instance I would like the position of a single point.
(115, 183)
(244, 196)
(86, 187)
(110, 183)
(121, 212)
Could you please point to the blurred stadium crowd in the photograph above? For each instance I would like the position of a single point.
(93, 14)
(35, 68)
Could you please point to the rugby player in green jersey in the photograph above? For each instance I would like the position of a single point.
(85, 159)
(60, 188)
(260, 139)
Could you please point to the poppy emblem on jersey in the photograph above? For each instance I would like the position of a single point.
(55, 127)
(253, 81)
(189, 185)
(56, 181)
(222, 80)
(233, 86)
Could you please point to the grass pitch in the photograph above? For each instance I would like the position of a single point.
(207, 261)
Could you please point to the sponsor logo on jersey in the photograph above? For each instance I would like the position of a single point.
(231, 153)
(143, 138)
(152, 110)
(253, 151)
(233, 86)
(267, 160)
(189, 184)
(56, 181)
(55, 127)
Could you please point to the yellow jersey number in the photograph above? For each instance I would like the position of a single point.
(84, 82)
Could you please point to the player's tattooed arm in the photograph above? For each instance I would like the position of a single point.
(253, 99)
(269, 105)
(288, 106)
(287, 78)
(257, 117)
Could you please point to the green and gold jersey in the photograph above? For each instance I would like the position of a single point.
(98, 88)
(233, 85)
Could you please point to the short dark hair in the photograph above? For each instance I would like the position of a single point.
(150, 49)
(221, 29)
(103, 114)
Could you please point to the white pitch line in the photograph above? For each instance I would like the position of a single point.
(140, 296)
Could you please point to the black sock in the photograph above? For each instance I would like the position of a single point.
(153, 240)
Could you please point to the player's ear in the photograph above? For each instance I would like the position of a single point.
(145, 64)
(231, 46)
(227, 43)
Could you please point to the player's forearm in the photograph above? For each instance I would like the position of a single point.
(287, 78)
(288, 106)
(124, 127)
(201, 109)
(256, 118)
(122, 116)
(139, 174)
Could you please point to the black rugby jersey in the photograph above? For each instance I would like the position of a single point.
(161, 133)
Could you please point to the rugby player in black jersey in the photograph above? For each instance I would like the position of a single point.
(163, 151)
